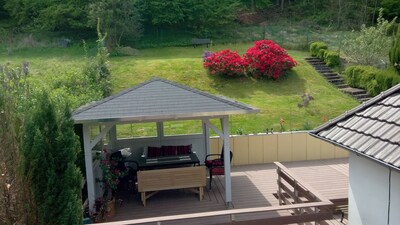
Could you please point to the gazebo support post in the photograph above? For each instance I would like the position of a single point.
(88, 146)
(89, 166)
(227, 162)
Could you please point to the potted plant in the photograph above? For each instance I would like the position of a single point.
(112, 170)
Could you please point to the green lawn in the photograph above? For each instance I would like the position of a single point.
(275, 99)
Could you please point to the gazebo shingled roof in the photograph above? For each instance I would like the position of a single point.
(159, 99)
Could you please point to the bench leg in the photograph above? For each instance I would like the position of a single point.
(201, 193)
(143, 197)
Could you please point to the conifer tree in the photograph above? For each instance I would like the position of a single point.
(394, 54)
(49, 150)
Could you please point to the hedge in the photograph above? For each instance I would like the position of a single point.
(371, 79)
(316, 46)
(331, 58)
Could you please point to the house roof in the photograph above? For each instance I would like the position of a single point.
(371, 129)
(159, 99)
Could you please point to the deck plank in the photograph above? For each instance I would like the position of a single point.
(252, 186)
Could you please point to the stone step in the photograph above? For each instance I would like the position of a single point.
(334, 78)
(332, 75)
(354, 91)
(364, 99)
(314, 60)
(362, 96)
(342, 86)
(311, 57)
(314, 63)
(328, 73)
(336, 81)
(323, 67)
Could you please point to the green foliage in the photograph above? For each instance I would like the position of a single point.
(120, 19)
(332, 58)
(14, 195)
(394, 54)
(321, 54)
(371, 45)
(316, 46)
(255, 5)
(199, 16)
(392, 8)
(48, 15)
(97, 70)
(49, 150)
(370, 78)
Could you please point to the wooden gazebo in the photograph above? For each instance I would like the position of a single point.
(157, 100)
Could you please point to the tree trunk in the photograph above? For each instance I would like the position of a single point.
(339, 14)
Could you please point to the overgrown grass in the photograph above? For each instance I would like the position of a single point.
(275, 99)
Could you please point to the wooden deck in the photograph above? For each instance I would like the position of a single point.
(252, 186)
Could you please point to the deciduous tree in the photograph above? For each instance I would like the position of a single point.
(119, 19)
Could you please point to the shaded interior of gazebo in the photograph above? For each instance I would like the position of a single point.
(156, 101)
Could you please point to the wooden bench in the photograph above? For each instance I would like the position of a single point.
(197, 41)
(167, 179)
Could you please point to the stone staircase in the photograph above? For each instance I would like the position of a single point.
(335, 79)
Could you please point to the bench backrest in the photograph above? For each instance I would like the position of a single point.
(166, 179)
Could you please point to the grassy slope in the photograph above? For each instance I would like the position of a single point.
(275, 99)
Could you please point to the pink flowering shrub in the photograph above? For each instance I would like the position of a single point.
(267, 59)
(224, 63)
(264, 59)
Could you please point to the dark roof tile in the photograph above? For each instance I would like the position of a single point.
(372, 129)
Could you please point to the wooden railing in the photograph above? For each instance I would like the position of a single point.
(299, 203)
(293, 191)
(232, 213)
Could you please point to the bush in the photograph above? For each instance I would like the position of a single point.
(224, 63)
(316, 46)
(264, 59)
(267, 59)
(321, 54)
(370, 78)
(394, 54)
(331, 58)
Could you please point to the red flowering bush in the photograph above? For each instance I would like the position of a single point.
(267, 59)
(224, 63)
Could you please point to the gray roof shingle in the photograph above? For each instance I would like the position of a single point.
(159, 99)
(372, 129)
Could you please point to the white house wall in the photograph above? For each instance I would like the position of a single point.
(369, 193)
(395, 198)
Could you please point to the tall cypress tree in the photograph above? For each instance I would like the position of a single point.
(49, 151)
(394, 54)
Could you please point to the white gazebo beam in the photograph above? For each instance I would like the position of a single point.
(210, 125)
(101, 135)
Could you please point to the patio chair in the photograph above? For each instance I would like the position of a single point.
(215, 164)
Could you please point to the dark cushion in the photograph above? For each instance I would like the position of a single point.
(214, 163)
(184, 149)
(154, 152)
(169, 150)
(218, 171)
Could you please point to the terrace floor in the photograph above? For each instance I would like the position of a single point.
(252, 186)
